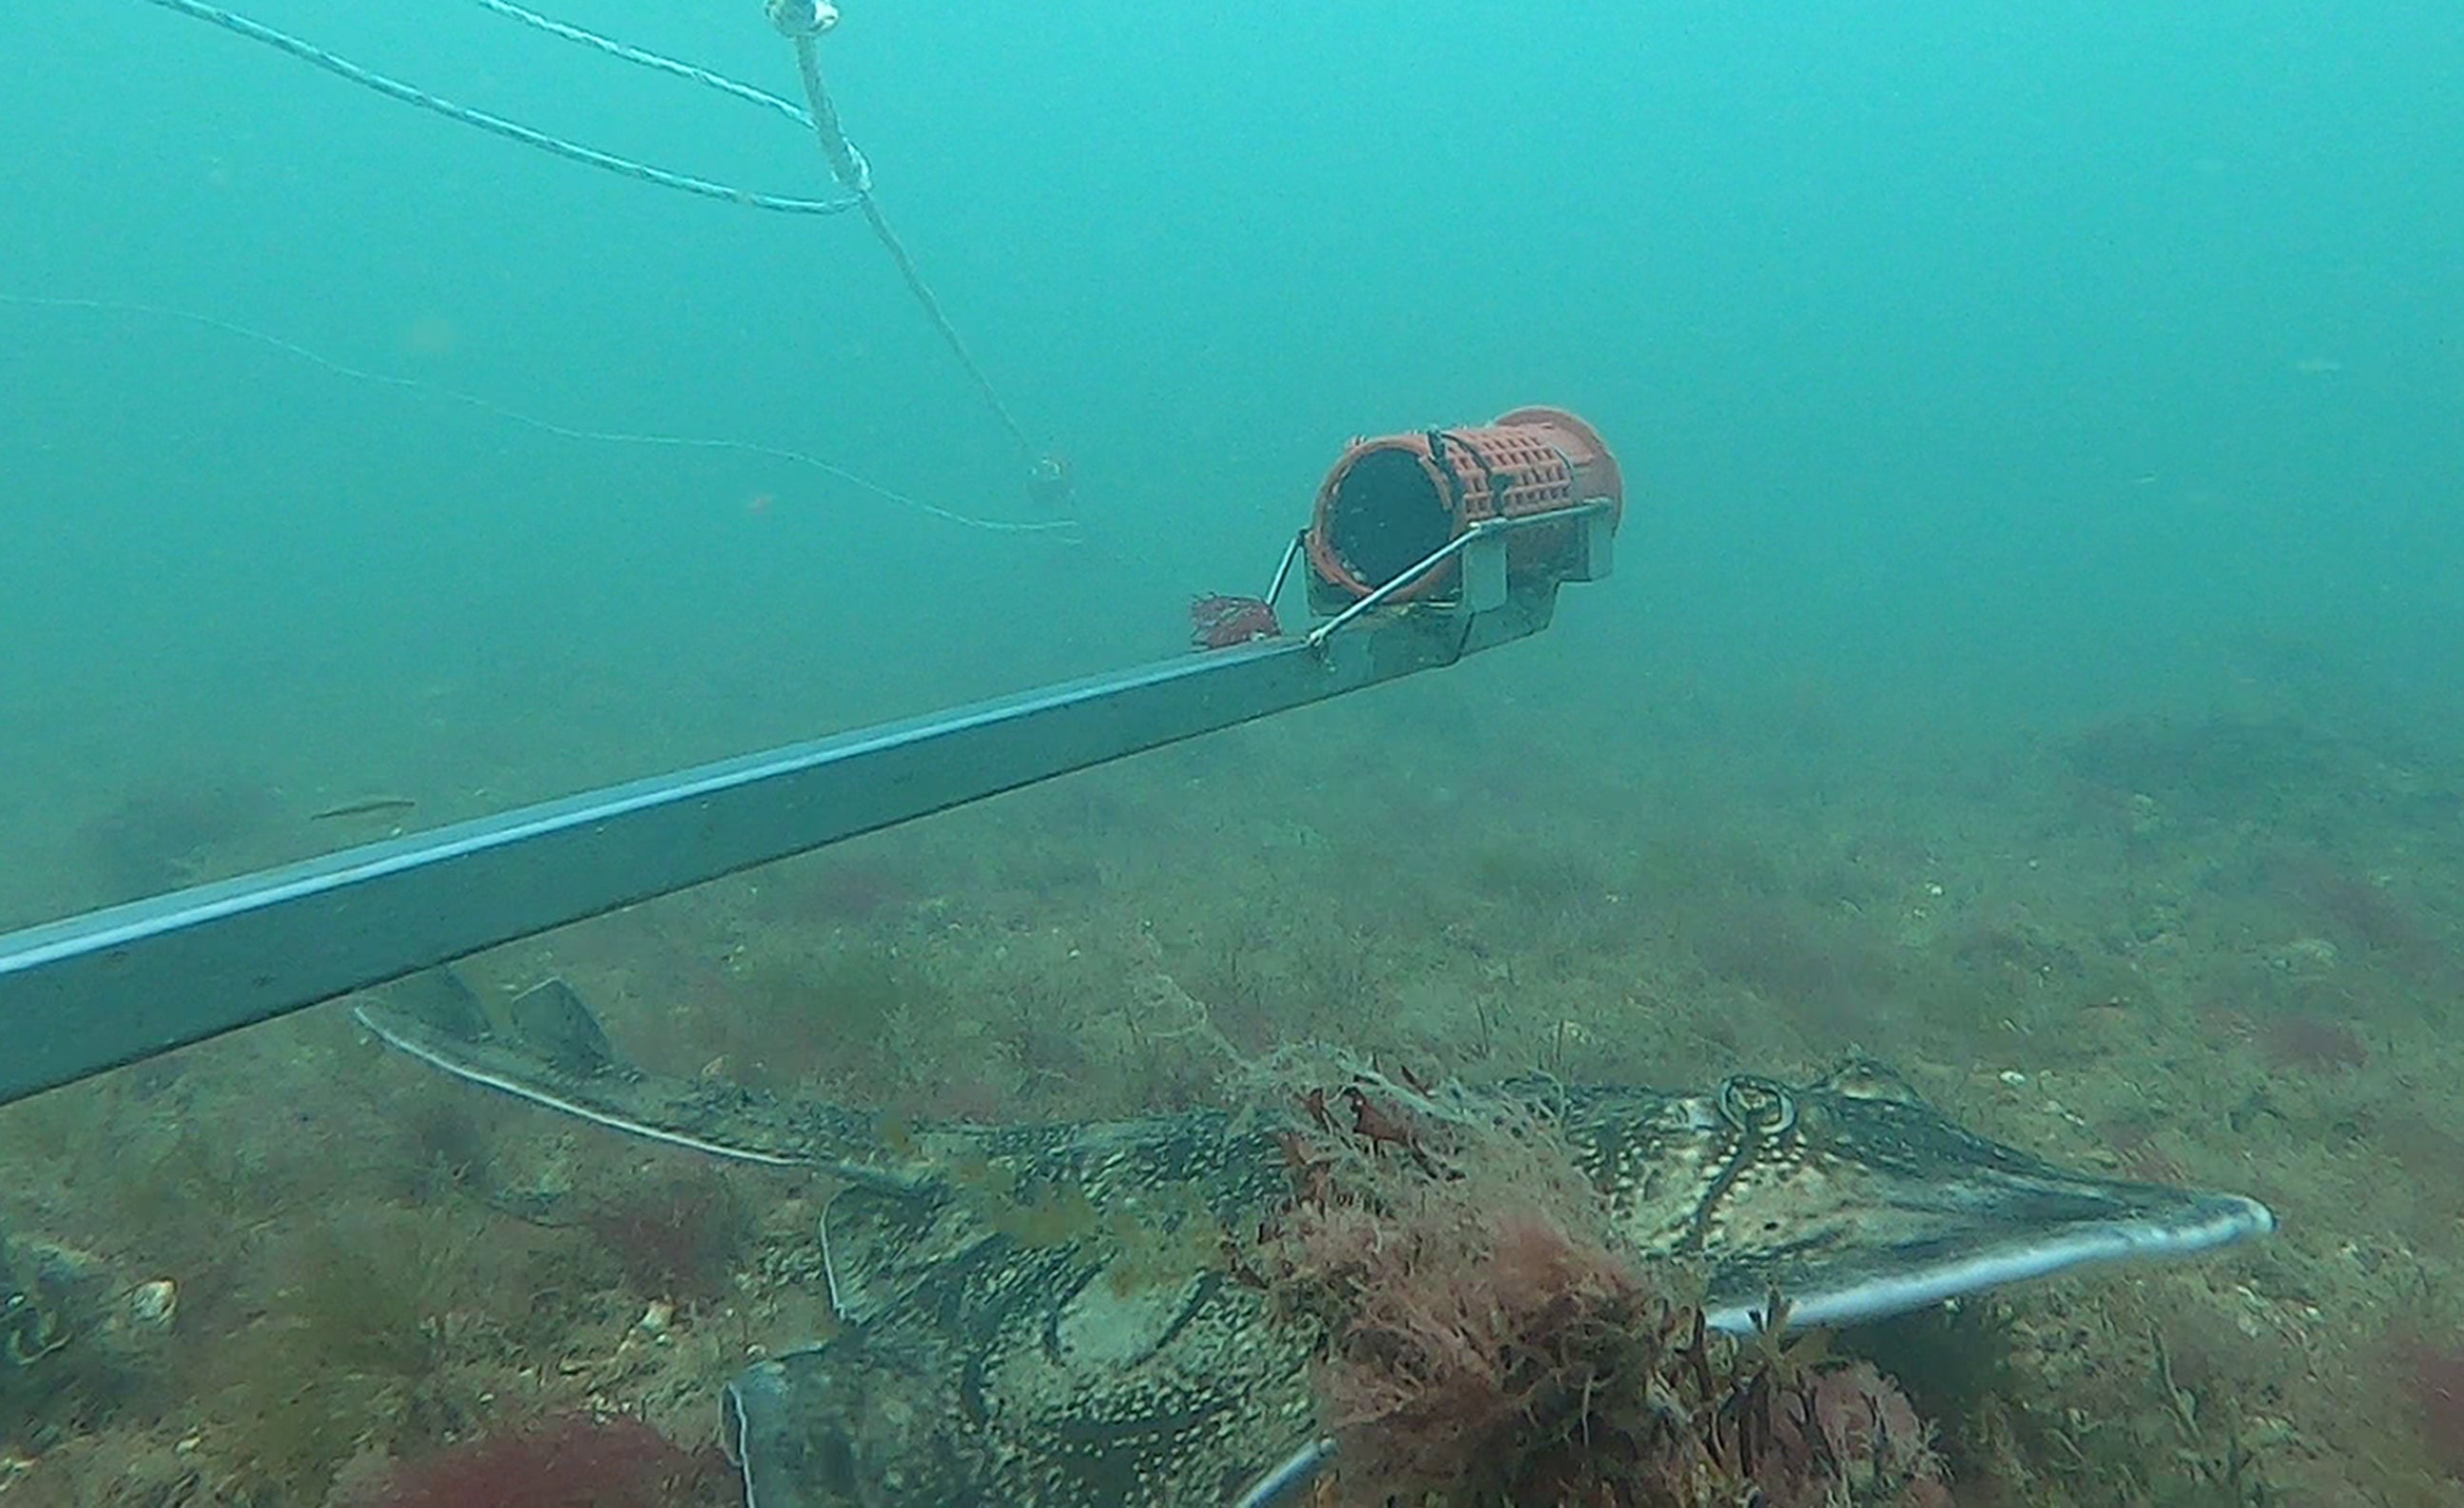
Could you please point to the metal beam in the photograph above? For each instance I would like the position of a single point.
(91, 993)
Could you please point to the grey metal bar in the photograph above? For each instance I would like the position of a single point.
(91, 993)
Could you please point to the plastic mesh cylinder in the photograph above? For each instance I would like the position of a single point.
(1394, 500)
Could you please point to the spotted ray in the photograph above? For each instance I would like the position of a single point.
(1038, 1316)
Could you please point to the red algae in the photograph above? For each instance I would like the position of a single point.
(1872, 1432)
(1436, 1373)
(2311, 1044)
(1487, 1340)
(572, 1461)
(2135, 1148)
(2358, 908)
(677, 1238)
(2433, 1377)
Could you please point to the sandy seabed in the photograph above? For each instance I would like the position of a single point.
(2213, 949)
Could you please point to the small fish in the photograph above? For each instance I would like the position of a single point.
(365, 806)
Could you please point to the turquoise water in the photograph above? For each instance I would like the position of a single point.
(1979, 368)
(1983, 380)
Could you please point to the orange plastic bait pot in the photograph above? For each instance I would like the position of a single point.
(1394, 500)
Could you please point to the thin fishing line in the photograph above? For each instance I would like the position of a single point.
(548, 426)
(802, 29)
(496, 124)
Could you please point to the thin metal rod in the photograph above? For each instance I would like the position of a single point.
(1380, 595)
(1283, 572)
(1377, 596)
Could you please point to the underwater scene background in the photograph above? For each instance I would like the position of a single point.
(2032, 660)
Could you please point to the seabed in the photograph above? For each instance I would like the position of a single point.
(2218, 950)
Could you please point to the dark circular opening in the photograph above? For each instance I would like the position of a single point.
(1387, 517)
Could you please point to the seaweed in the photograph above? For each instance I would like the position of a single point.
(568, 1462)
(680, 1237)
(2211, 768)
(2430, 1372)
(1817, 970)
(1957, 1363)
(349, 1347)
(1540, 879)
(444, 1144)
(1486, 1340)
(2368, 914)
(2310, 1044)
(837, 1009)
(291, 1426)
(365, 1291)
(1037, 1031)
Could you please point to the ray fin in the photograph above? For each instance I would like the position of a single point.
(555, 1054)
